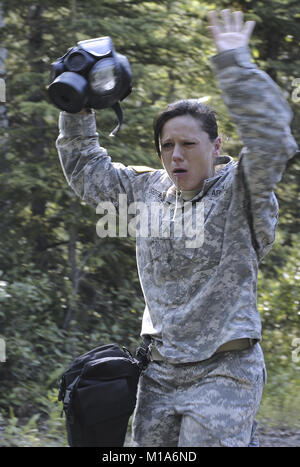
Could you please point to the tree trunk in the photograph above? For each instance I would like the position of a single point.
(38, 200)
(3, 117)
(74, 275)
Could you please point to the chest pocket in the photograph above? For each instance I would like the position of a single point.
(206, 240)
(196, 237)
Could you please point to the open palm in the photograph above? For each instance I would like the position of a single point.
(233, 32)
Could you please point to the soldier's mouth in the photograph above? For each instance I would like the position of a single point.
(179, 172)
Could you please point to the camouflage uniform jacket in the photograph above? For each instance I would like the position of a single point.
(199, 298)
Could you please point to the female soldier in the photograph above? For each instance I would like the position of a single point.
(204, 384)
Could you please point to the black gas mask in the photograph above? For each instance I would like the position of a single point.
(91, 75)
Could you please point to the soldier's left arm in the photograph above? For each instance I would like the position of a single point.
(262, 117)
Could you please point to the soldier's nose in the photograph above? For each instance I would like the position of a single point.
(177, 153)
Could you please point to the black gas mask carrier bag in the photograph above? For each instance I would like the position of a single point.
(98, 391)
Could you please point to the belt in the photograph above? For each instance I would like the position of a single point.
(237, 344)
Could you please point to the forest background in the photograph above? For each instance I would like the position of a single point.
(63, 290)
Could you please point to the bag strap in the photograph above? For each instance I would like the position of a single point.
(119, 112)
(143, 352)
(68, 398)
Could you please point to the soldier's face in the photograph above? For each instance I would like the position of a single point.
(187, 153)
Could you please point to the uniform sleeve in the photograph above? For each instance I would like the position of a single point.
(87, 166)
(262, 117)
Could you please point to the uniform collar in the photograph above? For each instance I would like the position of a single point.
(222, 161)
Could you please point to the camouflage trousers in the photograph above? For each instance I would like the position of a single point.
(208, 403)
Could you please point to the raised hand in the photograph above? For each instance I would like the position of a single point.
(232, 32)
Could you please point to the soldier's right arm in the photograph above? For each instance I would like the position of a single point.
(87, 166)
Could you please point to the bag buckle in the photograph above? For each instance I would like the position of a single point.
(143, 355)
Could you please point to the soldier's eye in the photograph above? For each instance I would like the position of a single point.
(166, 145)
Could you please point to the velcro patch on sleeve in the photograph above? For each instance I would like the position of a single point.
(140, 169)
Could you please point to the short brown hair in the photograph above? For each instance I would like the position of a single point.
(193, 107)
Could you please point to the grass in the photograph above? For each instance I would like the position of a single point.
(280, 407)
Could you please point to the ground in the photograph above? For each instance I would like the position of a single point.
(270, 437)
(279, 437)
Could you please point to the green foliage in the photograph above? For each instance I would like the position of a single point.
(62, 289)
(281, 397)
(43, 429)
(279, 305)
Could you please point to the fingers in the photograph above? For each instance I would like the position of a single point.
(248, 28)
(237, 21)
(214, 27)
(230, 22)
(214, 23)
(226, 16)
(214, 32)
